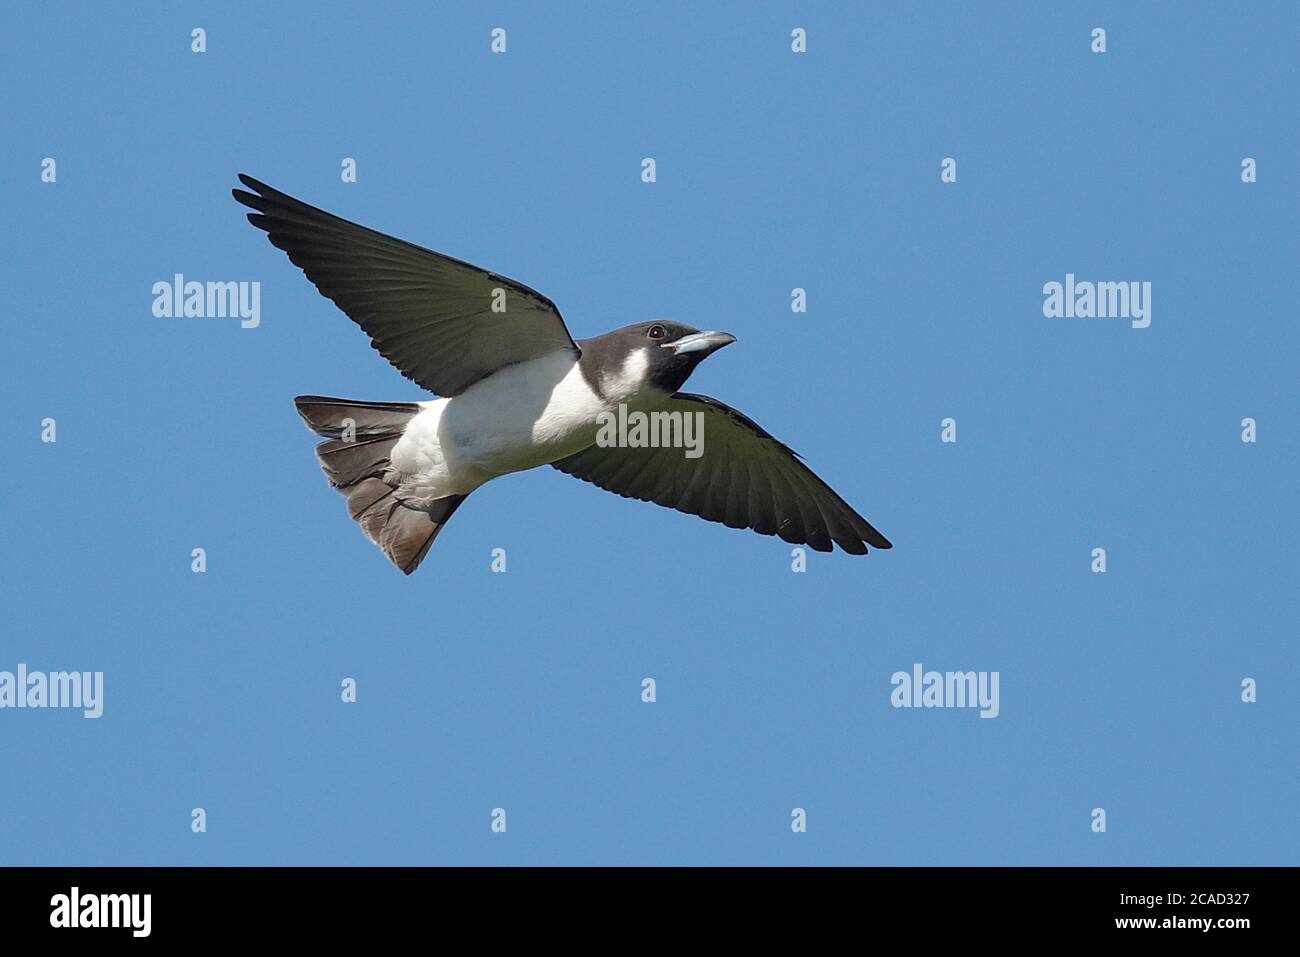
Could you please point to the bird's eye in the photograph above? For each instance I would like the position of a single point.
(656, 332)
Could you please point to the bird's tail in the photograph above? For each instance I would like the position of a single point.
(355, 459)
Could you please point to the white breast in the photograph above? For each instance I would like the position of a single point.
(523, 416)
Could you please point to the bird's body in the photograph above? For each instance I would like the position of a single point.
(520, 417)
(517, 392)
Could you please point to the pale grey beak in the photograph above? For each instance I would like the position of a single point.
(705, 342)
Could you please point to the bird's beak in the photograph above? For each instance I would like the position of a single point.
(705, 342)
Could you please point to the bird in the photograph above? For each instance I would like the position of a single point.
(515, 391)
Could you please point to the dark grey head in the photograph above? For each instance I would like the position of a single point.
(661, 353)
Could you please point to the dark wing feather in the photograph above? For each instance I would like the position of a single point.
(744, 479)
(428, 314)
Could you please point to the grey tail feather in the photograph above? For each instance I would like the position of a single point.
(355, 459)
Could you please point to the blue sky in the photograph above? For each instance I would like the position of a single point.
(774, 171)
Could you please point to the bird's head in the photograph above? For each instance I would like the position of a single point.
(660, 354)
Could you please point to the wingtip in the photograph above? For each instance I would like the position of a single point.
(251, 200)
(863, 546)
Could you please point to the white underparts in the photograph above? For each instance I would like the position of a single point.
(523, 416)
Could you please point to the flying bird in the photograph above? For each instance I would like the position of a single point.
(516, 391)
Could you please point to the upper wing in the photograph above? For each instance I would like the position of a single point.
(428, 314)
(744, 479)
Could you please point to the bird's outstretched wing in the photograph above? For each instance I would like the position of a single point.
(744, 479)
(428, 314)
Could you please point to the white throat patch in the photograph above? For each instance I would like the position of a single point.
(630, 380)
